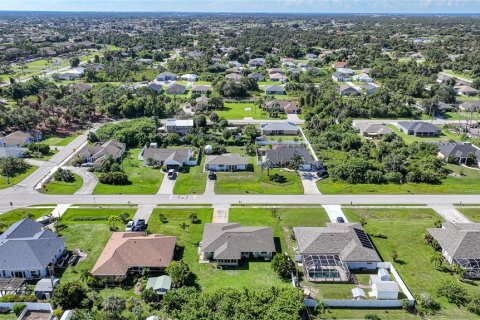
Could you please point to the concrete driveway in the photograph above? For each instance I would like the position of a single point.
(90, 180)
(450, 213)
(144, 212)
(334, 211)
(210, 187)
(167, 185)
(309, 182)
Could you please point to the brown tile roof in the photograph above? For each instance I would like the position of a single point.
(132, 249)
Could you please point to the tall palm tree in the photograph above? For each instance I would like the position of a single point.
(184, 226)
(268, 164)
(112, 221)
(437, 259)
(297, 161)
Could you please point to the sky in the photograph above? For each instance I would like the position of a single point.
(278, 6)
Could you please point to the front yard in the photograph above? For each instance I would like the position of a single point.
(16, 178)
(143, 180)
(455, 183)
(193, 181)
(58, 141)
(61, 187)
(13, 216)
(471, 213)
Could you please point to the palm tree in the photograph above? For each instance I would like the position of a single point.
(85, 275)
(112, 221)
(297, 161)
(437, 259)
(184, 226)
(267, 164)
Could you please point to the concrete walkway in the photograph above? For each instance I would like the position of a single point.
(90, 180)
(60, 210)
(309, 182)
(450, 213)
(210, 187)
(334, 211)
(144, 212)
(220, 214)
(167, 185)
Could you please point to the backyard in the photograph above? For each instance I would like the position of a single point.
(404, 231)
(235, 111)
(62, 187)
(461, 181)
(143, 180)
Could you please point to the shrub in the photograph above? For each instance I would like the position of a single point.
(115, 178)
(426, 304)
(18, 308)
(42, 148)
(278, 178)
(474, 305)
(5, 310)
(162, 218)
(371, 316)
(64, 175)
(454, 292)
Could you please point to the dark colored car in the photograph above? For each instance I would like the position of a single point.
(212, 175)
(140, 225)
(340, 220)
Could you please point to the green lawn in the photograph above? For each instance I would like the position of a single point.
(88, 236)
(61, 187)
(471, 213)
(193, 181)
(13, 216)
(60, 141)
(17, 178)
(405, 230)
(453, 184)
(143, 180)
(235, 111)
(462, 116)
(257, 182)
(445, 136)
(10, 316)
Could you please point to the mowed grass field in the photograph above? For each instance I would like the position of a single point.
(13, 216)
(62, 187)
(16, 178)
(236, 111)
(143, 180)
(193, 181)
(455, 183)
(471, 213)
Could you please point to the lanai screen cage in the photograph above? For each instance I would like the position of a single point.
(325, 268)
(471, 267)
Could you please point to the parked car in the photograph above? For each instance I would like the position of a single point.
(140, 225)
(171, 174)
(129, 226)
(212, 175)
(340, 220)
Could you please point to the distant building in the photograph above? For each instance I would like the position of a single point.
(274, 90)
(167, 76)
(419, 128)
(279, 128)
(178, 126)
(175, 89)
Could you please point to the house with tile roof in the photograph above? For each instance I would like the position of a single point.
(229, 243)
(133, 252)
(27, 250)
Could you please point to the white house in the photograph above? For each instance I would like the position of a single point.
(189, 77)
(74, 74)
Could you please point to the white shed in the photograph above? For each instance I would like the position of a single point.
(383, 274)
(358, 294)
(385, 290)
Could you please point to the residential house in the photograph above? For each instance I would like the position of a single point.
(278, 77)
(71, 75)
(288, 107)
(289, 64)
(171, 158)
(19, 139)
(27, 250)
(133, 252)
(12, 152)
(257, 76)
(469, 106)
(311, 56)
(340, 64)
(347, 90)
(234, 64)
(362, 78)
(155, 87)
(368, 89)
(178, 126)
(372, 130)
(460, 245)
(458, 152)
(201, 89)
(341, 77)
(282, 157)
(419, 128)
(81, 87)
(202, 102)
(189, 77)
(226, 162)
(228, 243)
(279, 128)
(233, 77)
(95, 155)
(275, 70)
(274, 90)
(176, 88)
(166, 76)
(329, 253)
(346, 71)
(257, 62)
(465, 90)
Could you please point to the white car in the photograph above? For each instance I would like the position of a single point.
(130, 226)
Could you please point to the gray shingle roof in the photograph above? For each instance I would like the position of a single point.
(419, 126)
(471, 105)
(342, 239)
(283, 155)
(162, 155)
(279, 126)
(460, 240)
(229, 240)
(227, 159)
(25, 246)
(458, 149)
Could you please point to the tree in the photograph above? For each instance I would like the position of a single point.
(112, 221)
(437, 259)
(251, 132)
(179, 272)
(149, 295)
(200, 121)
(283, 265)
(85, 275)
(268, 164)
(3, 225)
(454, 292)
(193, 217)
(70, 295)
(297, 161)
(184, 226)
(113, 306)
(74, 62)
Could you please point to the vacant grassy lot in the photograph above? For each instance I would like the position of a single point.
(257, 182)
(60, 141)
(88, 236)
(468, 183)
(404, 230)
(193, 181)
(13, 216)
(471, 213)
(17, 178)
(143, 180)
(61, 187)
(234, 111)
